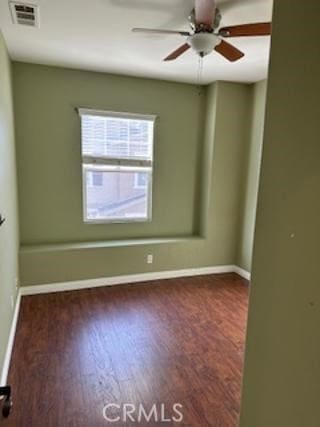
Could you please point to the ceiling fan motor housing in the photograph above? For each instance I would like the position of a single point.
(203, 42)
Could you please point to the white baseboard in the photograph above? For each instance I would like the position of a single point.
(132, 278)
(118, 280)
(243, 273)
(7, 357)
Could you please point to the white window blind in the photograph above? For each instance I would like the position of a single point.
(117, 159)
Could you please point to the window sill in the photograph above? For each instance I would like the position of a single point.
(106, 244)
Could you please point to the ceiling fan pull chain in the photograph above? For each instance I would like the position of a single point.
(200, 70)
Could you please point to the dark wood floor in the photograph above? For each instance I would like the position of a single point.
(171, 341)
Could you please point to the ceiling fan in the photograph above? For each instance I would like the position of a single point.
(206, 36)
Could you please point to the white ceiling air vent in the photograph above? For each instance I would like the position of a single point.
(25, 14)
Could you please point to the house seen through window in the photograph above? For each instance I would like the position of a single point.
(117, 163)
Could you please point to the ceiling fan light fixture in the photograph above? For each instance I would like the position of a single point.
(203, 43)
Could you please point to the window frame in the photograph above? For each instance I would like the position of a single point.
(111, 164)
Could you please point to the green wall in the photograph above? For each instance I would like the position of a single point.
(282, 369)
(196, 198)
(8, 203)
(49, 162)
(251, 182)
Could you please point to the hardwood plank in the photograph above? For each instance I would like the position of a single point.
(170, 341)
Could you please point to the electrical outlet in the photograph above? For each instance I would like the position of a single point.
(149, 259)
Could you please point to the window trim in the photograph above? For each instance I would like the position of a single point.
(117, 114)
(94, 163)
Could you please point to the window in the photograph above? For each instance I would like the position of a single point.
(94, 179)
(140, 180)
(117, 164)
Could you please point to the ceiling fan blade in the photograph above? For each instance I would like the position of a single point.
(229, 51)
(245, 30)
(204, 12)
(177, 52)
(155, 31)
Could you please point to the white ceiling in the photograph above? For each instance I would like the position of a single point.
(96, 35)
